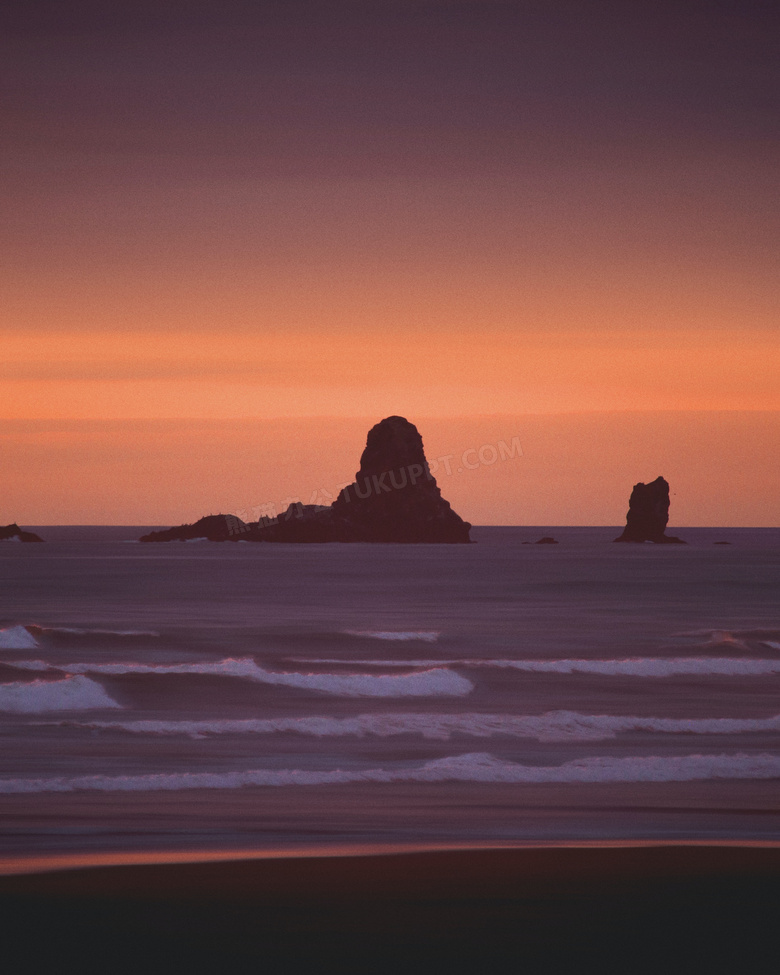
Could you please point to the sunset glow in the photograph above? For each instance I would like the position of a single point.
(403, 210)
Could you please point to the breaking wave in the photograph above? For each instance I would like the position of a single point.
(649, 666)
(627, 667)
(473, 767)
(70, 694)
(549, 727)
(89, 631)
(17, 638)
(431, 682)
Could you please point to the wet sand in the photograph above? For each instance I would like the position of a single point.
(612, 908)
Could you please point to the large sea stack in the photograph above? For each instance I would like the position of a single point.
(13, 533)
(648, 514)
(394, 498)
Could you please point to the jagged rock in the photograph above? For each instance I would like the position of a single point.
(648, 514)
(394, 498)
(215, 528)
(299, 523)
(13, 532)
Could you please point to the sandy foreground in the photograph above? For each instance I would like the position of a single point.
(618, 908)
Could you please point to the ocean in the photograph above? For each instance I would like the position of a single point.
(199, 696)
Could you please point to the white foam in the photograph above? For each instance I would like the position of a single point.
(473, 767)
(772, 645)
(199, 539)
(17, 638)
(627, 667)
(70, 694)
(426, 636)
(549, 727)
(650, 666)
(431, 682)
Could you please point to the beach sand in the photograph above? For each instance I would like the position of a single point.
(608, 908)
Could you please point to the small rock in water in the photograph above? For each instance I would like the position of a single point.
(13, 533)
(214, 528)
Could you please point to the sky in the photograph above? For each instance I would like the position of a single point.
(237, 234)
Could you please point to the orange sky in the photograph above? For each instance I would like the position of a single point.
(494, 219)
(576, 468)
(162, 426)
(230, 374)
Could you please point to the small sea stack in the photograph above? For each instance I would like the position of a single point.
(13, 533)
(212, 528)
(648, 514)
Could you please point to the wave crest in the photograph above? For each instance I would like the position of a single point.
(431, 682)
(626, 667)
(17, 638)
(472, 767)
(89, 631)
(425, 636)
(552, 726)
(70, 694)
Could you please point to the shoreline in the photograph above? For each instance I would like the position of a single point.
(56, 863)
(624, 907)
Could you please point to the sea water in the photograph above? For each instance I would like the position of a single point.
(192, 696)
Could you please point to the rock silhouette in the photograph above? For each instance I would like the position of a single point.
(648, 514)
(14, 533)
(215, 528)
(394, 498)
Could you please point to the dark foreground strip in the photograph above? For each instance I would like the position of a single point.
(627, 910)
